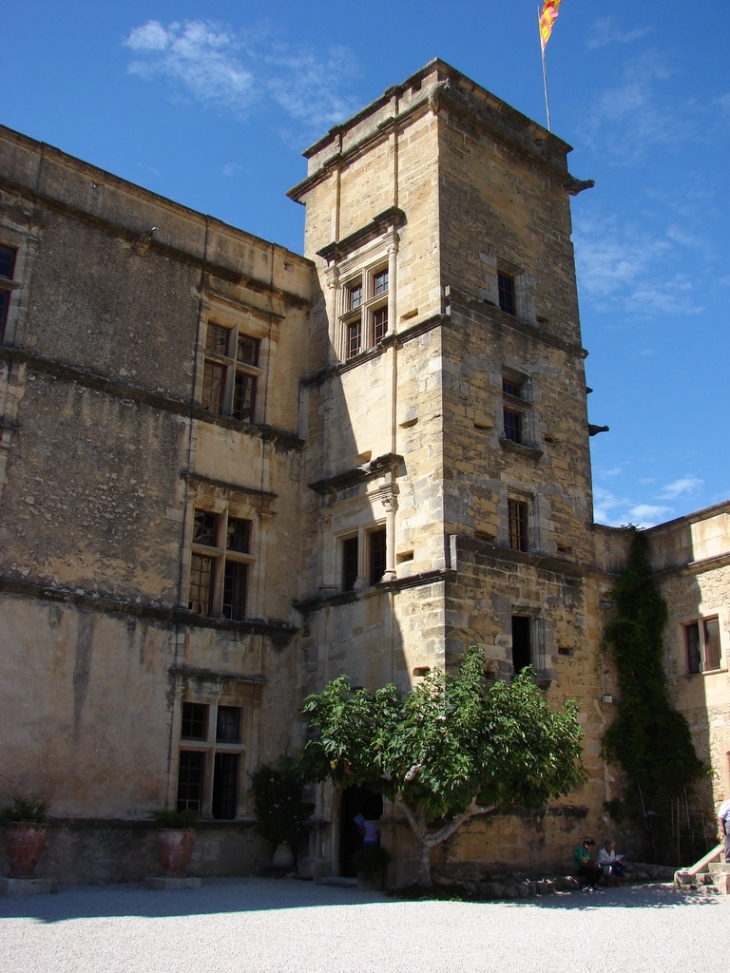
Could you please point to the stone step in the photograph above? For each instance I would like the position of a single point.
(722, 882)
(25, 886)
(719, 867)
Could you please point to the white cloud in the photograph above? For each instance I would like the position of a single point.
(605, 505)
(617, 511)
(628, 267)
(231, 169)
(234, 70)
(201, 57)
(151, 36)
(686, 486)
(633, 115)
(647, 514)
(604, 32)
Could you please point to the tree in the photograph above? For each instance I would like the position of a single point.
(650, 739)
(278, 798)
(448, 750)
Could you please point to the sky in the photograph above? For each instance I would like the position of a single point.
(211, 104)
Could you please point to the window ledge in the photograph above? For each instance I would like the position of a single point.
(529, 450)
(706, 672)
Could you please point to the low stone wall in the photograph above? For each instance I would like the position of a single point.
(536, 842)
(105, 851)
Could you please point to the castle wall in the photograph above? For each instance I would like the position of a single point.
(229, 473)
(110, 450)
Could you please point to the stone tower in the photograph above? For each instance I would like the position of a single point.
(449, 489)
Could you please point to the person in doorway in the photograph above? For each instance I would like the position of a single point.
(586, 869)
(610, 862)
(723, 820)
(368, 832)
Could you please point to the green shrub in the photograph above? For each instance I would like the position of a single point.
(175, 820)
(32, 811)
(281, 814)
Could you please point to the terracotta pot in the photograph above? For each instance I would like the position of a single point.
(175, 849)
(24, 847)
(283, 857)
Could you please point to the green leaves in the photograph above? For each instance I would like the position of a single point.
(447, 741)
(649, 738)
(278, 798)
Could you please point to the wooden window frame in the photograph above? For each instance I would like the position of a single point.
(507, 292)
(369, 308)
(211, 751)
(518, 518)
(358, 551)
(235, 367)
(702, 649)
(8, 260)
(216, 548)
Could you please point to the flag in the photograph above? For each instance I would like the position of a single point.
(547, 18)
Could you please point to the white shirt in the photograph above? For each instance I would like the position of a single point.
(605, 859)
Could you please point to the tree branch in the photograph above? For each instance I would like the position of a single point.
(417, 823)
(474, 809)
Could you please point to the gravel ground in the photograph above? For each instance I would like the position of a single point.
(257, 925)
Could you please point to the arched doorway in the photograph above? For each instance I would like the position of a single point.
(355, 800)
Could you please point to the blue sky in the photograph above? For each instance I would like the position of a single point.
(211, 103)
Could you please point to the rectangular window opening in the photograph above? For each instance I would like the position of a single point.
(517, 525)
(380, 281)
(225, 786)
(194, 721)
(512, 426)
(216, 339)
(201, 583)
(692, 643)
(378, 564)
(506, 285)
(521, 642)
(354, 339)
(244, 397)
(7, 262)
(204, 528)
(248, 350)
(238, 535)
(228, 729)
(190, 781)
(354, 300)
(235, 581)
(214, 380)
(380, 324)
(349, 563)
(512, 387)
(712, 643)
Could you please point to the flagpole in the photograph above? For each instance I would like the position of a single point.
(544, 72)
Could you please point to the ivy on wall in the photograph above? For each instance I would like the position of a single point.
(649, 738)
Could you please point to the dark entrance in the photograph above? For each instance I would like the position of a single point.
(521, 649)
(355, 800)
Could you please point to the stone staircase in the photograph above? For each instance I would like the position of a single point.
(720, 872)
(710, 870)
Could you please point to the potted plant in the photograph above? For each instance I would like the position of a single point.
(175, 841)
(26, 834)
(281, 813)
(371, 865)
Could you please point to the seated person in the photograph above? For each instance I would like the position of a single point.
(585, 869)
(611, 865)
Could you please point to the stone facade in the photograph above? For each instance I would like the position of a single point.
(229, 473)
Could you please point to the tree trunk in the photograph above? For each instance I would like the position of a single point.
(423, 874)
(425, 840)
